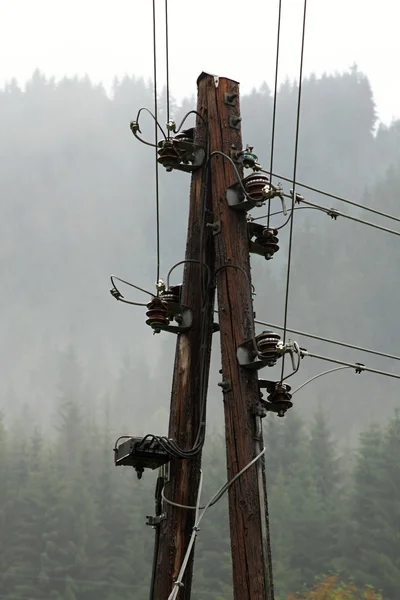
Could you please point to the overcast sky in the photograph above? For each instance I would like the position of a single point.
(226, 37)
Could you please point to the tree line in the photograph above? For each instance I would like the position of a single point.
(73, 526)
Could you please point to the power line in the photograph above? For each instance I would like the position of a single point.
(359, 368)
(167, 59)
(329, 341)
(317, 376)
(278, 37)
(156, 143)
(280, 212)
(296, 148)
(334, 213)
(340, 198)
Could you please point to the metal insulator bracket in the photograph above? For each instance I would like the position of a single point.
(258, 191)
(248, 358)
(229, 98)
(235, 121)
(183, 317)
(237, 200)
(279, 397)
(180, 153)
(225, 385)
(265, 242)
(166, 308)
(279, 400)
(154, 521)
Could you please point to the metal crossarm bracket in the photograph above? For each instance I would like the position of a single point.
(154, 521)
(237, 200)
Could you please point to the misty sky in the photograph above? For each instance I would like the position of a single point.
(227, 37)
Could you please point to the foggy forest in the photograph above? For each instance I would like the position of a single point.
(79, 369)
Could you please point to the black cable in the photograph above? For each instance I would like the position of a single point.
(334, 213)
(153, 116)
(296, 148)
(240, 181)
(278, 37)
(156, 143)
(280, 212)
(170, 446)
(335, 197)
(158, 512)
(167, 59)
(186, 261)
(192, 112)
(200, 437)
(329, 341)
(130, 284)
(358, 367)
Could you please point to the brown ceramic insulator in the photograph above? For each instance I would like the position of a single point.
(281, 398)
(168, 154)
(254, 185)
(184, 137)
(267, 343)
(268, 240)
(172, 294)
(157, 314)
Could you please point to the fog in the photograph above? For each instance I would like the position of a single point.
(79, 369)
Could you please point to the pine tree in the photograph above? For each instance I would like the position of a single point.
(363, 543)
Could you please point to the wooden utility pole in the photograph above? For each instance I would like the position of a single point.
(192, 357)
(248, 509)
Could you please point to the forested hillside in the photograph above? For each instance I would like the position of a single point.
(79, 369)
(72, 526)
(77, 193)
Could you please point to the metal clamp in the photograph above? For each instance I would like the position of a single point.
(229, 98)
(216, 227)
(225, 385)
(154, 521)
(234, 122)
(184, 320)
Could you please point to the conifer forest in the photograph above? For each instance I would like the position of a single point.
(80, 369)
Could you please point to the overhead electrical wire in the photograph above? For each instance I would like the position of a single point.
(329, 341)
(156, 144)
(296, 149)
(340, 198)
(317, 377)
(281, 212)
(334, 213)
(359, 367)
(278, 38)
(167, 61)
(113, 277)
(155, 119)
